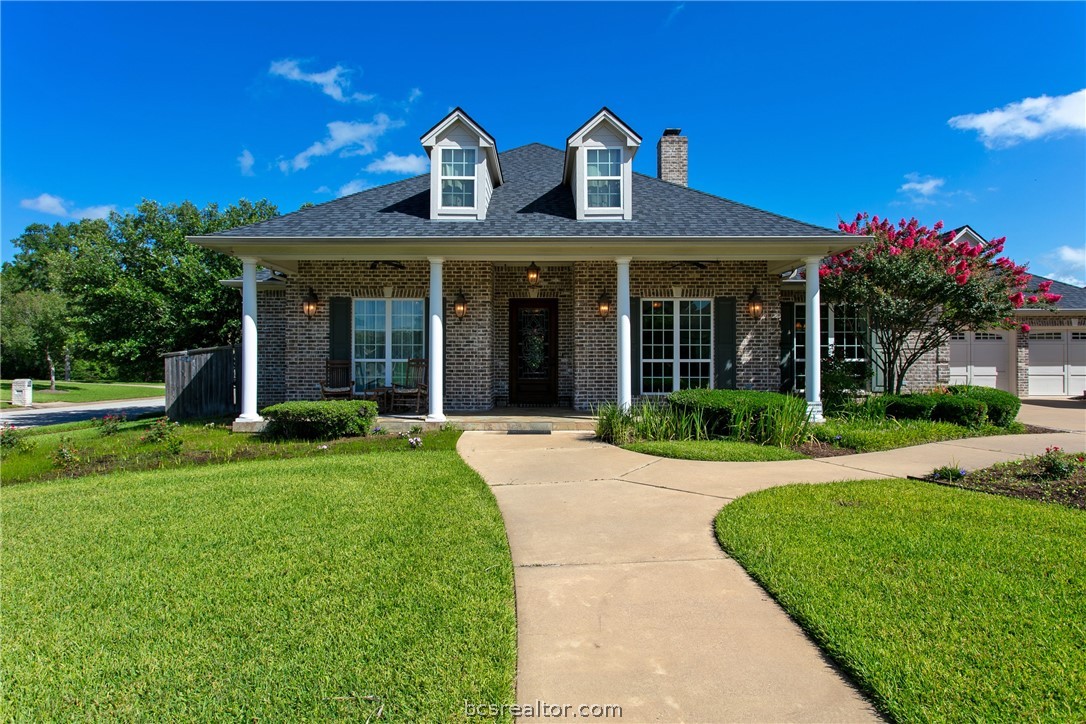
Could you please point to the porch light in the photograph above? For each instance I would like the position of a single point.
(755, 308)
(309, 304)
(460, 306)
(533, 274)
(603, 305)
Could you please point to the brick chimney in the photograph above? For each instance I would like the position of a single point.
(671, 157)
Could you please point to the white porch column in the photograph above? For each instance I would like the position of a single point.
(437, 344)
(625, 367)
(814, 341)
(248, 342)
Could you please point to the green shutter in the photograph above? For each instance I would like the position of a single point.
(635, 346)
(339, 328)
(788, 346)
(724, 346)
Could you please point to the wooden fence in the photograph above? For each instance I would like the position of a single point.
(203, 383)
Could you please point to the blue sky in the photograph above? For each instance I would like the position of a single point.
(972, 113)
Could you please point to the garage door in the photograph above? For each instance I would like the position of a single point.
(1057, 362)
(981, 358)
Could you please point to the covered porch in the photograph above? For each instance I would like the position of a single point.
(601, 297)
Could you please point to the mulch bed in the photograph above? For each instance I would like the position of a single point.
(1025, 479)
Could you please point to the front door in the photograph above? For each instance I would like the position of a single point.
(533, 351)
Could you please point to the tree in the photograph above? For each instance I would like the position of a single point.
(35, 327)
(919, 287)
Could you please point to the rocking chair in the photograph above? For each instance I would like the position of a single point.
(414, 389)
(337, 384)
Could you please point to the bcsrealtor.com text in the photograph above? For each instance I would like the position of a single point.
(544, 710)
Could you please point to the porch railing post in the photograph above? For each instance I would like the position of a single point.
(436, 394)
(625, 366)
(813, 375)
(248, 342)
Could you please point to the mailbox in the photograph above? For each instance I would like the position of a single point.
(22, 393)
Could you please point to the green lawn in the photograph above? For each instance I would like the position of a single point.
(870, 435)
(718, 450)
(85, 391)
(275, 590)
(200, 444)
(943, 604)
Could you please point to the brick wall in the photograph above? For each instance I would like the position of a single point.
(271, 317)
(595, 338)
(671, 159)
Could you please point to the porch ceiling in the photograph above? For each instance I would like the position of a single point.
(779, 253)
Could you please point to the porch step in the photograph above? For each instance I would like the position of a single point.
(489, 423)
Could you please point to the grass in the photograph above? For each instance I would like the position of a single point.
(200, 445)
(85, 391)
(373, 585)
(718, 450)
(870, 435)
(943, 604)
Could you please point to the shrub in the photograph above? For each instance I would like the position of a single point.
(66, 456)
(648, 420)
(110, 424)
(14, 439)
(1002, 406)
(842, 381)
(964, 411)
(323, 420)
(950, 473)
(161, 430)
(766, 418)
(910, 407)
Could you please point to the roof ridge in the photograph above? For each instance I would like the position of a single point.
(737, 203)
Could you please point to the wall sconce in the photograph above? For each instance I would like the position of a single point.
(603, 305)
(533, 275)
(460, 306)
(755, 307)
(309, 304)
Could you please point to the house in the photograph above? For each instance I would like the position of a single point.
(1047, 360)
(533, 276)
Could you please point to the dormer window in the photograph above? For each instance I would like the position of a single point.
(604, 178)
(464, 168)
(458, 177)
(599, 168)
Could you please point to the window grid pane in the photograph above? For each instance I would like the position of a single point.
(457, 192)
(850, 334)
(676, 333)
(458, 162)
(605, 194)
(375, 352)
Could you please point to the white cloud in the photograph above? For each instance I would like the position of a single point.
(1071, 262)
(333, 82)
(56, 206)
(922, 189)
(391, 163)
(414, 96)
(322, 190)
(47, 204)
(93, 212)
(350, 138)
(351, 187)
(245, 163)
(1026, 120)
(1073, 256)
(674, 13)
(1066, 279)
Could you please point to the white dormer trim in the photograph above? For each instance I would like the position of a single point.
(967, 233)
(458, 131)
(604, 131)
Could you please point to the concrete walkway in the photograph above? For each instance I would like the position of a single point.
(625, 598)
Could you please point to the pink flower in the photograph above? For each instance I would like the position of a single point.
(1017, 299)
(1032, 299)
(1025, 328)
(962, 279)
(1052, 298)
(1044, 286)
(894, 251)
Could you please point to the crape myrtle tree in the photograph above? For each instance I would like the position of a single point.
(920, 286)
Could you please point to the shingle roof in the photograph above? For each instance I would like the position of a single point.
(532, 202)
(1072, 297)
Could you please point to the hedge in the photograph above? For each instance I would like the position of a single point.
(960, 410)
(766, 418)
(911, 407)
(322, 420)
(1003, 407)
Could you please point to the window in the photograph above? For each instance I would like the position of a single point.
(458, 177)
(987, 336)
(387, 333)
(844, 332)
(604, 178)
(1046, 335)
(676, 344)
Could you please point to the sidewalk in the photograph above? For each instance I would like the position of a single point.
(624, 596)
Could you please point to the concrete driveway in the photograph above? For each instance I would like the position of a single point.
(625, 598)
(55, 414)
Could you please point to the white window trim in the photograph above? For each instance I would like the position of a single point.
(387, 359)
(441, 177)
(676, 345)
(800, 341)
(621, 190)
